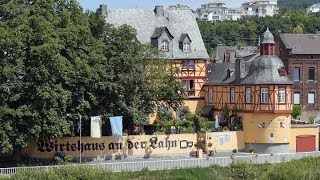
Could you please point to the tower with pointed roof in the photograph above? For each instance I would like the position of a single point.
(268, 45)
(260, 95)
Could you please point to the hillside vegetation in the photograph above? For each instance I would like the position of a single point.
(297, 3)
(247, 30)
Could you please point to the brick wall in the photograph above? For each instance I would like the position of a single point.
(304, 86)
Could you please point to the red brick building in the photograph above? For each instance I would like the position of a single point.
(301, 56)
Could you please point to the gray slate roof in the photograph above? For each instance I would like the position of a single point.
(265, 70)
(302, 43)
(257, 70)
(178, 22)
(159, 30)
(242, 51)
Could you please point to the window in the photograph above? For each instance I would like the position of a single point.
(311, 97)
(264, 95)
(232, 95)
(248, 95)
(282, 95)
(185, 65)
(186, 47)
(185, 84)
(210, 96)
(296, 98)
(165, 45)
(262, 125)
(191, 65)
(188, 65)
(188, 85)
(311, 74)
(191, 85)
(296, 74)
(215, 17)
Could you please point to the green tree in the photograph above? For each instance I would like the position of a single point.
(44, 70)
(58, 61)
(298, 29)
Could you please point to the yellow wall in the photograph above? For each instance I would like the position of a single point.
(300, 131)
(107, 146)
(254, 134)
(223, 141)
(193, 105)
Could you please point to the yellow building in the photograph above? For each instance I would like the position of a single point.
(175, 32)
(255, 95)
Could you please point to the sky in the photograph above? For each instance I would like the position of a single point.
(149, 4)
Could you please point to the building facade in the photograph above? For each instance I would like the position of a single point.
(314, 8)
(218, 11)
(175, 32)
(257, 94)
(261, 8)
(301, 56)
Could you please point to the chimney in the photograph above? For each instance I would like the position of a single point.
(240, 67)
(159, 11)
(104, 10)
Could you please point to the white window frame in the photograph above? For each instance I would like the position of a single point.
(186, 47)
(311, 98)
(210, 96)
(264, 95)
(296, 98)
(282, 95)
(165, 45)
(248, 95)
(185, 65)
(232, 95)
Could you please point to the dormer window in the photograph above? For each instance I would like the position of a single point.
(161, 39)
(186, 47)
(165, 45)
(185, 43)
(282, 72)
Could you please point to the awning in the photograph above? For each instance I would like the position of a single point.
(206, 110)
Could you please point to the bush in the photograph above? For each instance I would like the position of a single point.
(296, 111)
(60, 161)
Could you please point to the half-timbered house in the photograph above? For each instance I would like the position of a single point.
(257, 93)
(175, 32)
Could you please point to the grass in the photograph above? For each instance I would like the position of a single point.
(307, 168)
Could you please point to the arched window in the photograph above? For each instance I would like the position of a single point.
(165, 45)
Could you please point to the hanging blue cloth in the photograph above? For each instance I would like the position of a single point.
(116, 126)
